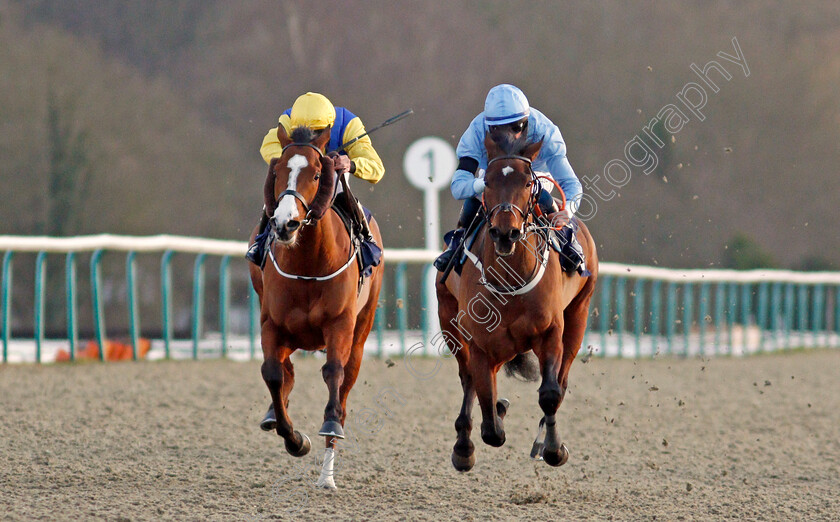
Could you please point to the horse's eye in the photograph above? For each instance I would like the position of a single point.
(529, 184)
(317, 176)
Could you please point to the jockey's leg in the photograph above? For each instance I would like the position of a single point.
(571, 255)
(468, 212)
(363, 223)
(256, 250)
(547, 203)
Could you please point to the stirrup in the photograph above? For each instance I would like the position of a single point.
(454, 239)
(259, 248)
(572, 258)
(254, 253)
(442, 260)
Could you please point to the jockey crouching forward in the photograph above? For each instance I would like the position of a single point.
(506, 112)
(360, 159)
(315, 111)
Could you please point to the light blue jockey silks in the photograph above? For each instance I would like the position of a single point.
(503, 105)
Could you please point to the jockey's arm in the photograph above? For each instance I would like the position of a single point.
(562, 172)
(553, 151)
(470, 152)
(271, 147)
(464, 184)
(365, 162)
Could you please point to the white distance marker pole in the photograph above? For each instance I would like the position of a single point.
(429, 164)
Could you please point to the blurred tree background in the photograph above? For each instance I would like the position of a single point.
(146, 117)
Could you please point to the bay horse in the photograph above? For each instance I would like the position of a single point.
(511, 299)
(310, 291)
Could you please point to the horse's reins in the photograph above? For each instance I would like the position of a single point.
(308, 220)
(507, 206)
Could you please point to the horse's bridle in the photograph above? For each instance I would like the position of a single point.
(507, 206)
(308, 219)
(542, 260)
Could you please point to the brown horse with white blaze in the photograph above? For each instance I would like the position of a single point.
(311, 294)
(514, 278)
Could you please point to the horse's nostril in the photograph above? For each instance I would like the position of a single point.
(292, 225)
(494, 233)
(515, 234)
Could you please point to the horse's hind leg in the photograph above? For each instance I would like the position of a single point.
(279, 377)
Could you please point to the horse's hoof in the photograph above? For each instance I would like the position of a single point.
(558, 457)
(537, 450)
(331, 429)
(327, 482)
(493, 439)
(269, 422)
(502, 406)
(305, 445)
(462, 463)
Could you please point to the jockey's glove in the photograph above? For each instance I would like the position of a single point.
(560, 218)
(478, 186)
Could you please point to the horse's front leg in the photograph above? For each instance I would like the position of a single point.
(279, 380)
(339, 338)
(551, 395)
(483, 374)
(463, 454)
(350, 373)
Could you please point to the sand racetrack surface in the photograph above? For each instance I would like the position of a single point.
(673, 439)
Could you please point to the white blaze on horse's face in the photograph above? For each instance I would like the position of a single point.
(287, 208)
(507, 170)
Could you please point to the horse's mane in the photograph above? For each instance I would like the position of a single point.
(510, 146)
(303, 134)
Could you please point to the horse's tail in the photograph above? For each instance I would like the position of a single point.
(525, 366)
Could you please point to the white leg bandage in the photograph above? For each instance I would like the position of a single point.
(327, 479)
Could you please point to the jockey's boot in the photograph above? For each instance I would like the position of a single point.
(269, 422)
(364, 226)
(455, 238)
(571, 255)
(256, 251)
(548, 205)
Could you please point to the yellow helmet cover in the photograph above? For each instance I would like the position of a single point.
(312, 110)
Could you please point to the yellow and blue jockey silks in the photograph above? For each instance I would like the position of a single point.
(312, 109)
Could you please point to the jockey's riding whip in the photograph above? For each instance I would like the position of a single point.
(385, 123)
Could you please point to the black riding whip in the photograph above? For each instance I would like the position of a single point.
(385, 123)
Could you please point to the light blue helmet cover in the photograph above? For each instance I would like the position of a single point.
(505, 104)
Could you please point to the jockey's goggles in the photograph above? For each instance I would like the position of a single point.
(512, 128)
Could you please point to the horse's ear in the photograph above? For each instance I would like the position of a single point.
(282, 136)
(532, 150)
(322, 139)
(493, 149)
